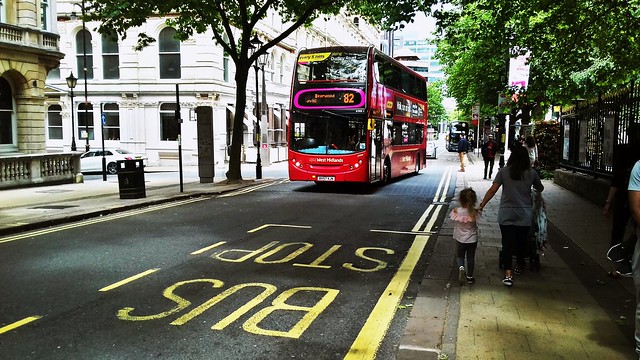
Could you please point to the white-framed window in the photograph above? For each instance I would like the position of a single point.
(111, 127)
(281, 69)
(83, 46)
(8, 140)
(169, 54)
(225, 61)
(85, 121)
(169, 126)
(272, 66)
(54, 122)
(44, 9)
(110, 58)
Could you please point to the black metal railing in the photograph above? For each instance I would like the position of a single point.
(592, 130)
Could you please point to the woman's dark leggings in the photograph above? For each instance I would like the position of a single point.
(514, 241)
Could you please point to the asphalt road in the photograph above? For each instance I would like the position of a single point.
(291, 270)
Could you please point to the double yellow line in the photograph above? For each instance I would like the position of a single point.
(368, 341)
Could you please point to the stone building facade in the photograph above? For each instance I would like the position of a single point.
(29, 49)
(135, 91)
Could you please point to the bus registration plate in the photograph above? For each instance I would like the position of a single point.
(326, 178)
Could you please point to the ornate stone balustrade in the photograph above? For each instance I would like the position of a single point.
(38, 169)
(28, 37)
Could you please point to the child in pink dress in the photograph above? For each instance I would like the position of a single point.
(465, 232)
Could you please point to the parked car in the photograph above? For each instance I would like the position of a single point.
(91, 161)
(431, 150)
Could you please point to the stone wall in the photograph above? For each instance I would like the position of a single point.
(590, 188)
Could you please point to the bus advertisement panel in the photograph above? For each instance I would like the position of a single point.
(357, 115)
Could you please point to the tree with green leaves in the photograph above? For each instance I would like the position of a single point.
(577, 49)
(436, 111)
(237, 19)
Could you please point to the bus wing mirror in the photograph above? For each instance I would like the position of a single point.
(372, 124)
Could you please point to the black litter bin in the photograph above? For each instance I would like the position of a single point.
(131, 179)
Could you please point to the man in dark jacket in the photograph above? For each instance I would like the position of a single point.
(463, 147)
(489, 150)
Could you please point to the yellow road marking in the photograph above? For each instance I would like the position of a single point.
(441, 192)
(98, 220)
(252, 188)
(262, 227)
(366, 344)
(17, 324)
(446, 186)
(129, 279)
(208, 248)
(404, 232)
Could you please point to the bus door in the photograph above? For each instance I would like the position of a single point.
(375, 162)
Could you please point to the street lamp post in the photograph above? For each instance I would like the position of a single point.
(84, 71)
(256, 44)
(71, 83)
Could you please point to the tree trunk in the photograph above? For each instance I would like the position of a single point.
(234, 173)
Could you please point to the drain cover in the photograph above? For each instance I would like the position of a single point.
(55, 207)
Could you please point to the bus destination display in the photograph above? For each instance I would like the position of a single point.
(336, 98)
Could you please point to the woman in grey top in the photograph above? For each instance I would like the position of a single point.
(516, 207)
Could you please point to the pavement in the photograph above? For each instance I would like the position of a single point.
(569, 309)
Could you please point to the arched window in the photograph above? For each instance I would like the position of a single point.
(169, 126)
(83, 46)
(281, 69)
(54, 122)
(169, 52)
(110, 58)
(225, 60)
(7, 132)
(111, 112)
(272, 66)
(85, 121)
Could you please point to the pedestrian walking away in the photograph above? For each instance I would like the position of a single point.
(617, 203)
(515, 213)
(463, 148)
(488, 151)
(465, 232)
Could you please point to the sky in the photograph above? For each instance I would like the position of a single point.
(420, 28)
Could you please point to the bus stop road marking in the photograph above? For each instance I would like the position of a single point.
(375, 328)
(366, 344)
(17, 324)
(205, 249)
(129, 279)
(278, 225)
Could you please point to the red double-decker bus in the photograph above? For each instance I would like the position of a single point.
(357, 115)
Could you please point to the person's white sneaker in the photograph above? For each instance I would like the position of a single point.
(461, 275)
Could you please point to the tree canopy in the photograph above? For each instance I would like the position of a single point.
(237, 19)
(576, 48)
(436, 111)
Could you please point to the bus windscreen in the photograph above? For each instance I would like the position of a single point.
(332, 67)
(312, 134)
